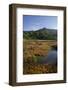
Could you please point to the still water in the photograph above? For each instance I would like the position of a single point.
(51, 58)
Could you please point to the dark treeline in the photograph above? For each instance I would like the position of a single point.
(41, 34)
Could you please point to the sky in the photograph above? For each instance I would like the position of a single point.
(34, 22)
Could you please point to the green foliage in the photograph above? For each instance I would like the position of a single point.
(34, 58)
(41, 34)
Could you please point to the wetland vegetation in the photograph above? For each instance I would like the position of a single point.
(36, 50)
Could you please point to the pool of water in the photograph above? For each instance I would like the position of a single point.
(51, 58)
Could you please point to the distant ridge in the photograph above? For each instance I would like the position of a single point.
(41, 34)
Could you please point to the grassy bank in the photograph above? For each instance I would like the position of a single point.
(34, 50)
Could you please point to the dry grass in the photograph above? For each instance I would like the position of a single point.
(35, 68)
(34, 49)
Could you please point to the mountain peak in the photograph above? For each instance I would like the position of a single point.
(41, 34)
(44, 28)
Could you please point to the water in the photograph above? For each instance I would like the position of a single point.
(51, 58)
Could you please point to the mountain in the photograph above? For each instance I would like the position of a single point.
(41, 34)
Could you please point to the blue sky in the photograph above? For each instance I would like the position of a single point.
(32, 22)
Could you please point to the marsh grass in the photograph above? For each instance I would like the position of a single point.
(34, 51)
(35, 68)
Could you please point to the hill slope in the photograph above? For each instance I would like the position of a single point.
(41, 34)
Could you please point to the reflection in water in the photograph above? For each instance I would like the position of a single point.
(51, 58)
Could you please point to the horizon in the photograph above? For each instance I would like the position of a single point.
(40, 28)
(34, 22)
